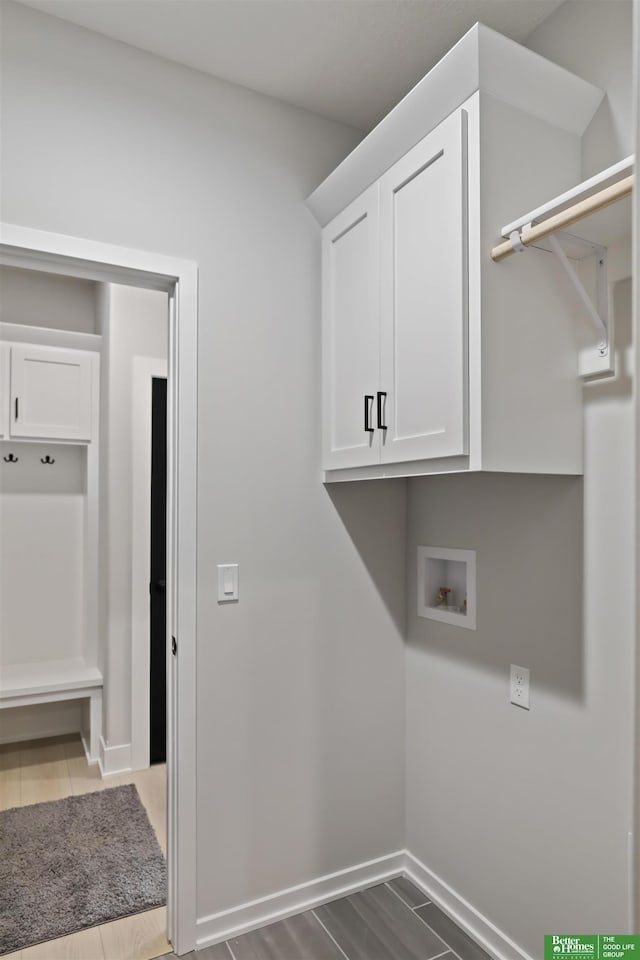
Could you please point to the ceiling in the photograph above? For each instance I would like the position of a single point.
(350, 60)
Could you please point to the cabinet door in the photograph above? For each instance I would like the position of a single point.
(4, 390)
(423, 226)
(50, 393)
(351, 334)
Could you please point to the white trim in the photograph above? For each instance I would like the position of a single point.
(172, 692)
(86, 746)
(47, 336)
(307, 896)
(144, 370)
(412, 468)
(481, 60)
(496, 943)
(91, 571)
(72, 256)
(116, 759)
(278, 906)
(182, 492)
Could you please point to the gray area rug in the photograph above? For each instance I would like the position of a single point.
(74, 863)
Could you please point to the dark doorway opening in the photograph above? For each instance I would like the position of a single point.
(158, 567)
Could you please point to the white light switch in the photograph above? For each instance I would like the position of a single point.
(227, 582)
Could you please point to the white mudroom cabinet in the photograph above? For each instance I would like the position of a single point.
(49, 400)
(50, 393)
(435, 359)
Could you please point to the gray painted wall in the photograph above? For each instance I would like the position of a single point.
(40, 299)
(594, 40)
(495, 799)
(301, 684)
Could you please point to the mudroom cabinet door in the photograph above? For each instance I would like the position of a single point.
(4, 390)
(423, 229)
(50, 393)
(351, 334)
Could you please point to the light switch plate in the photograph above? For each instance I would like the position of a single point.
(227, 582)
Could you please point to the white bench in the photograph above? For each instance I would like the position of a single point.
(25, 684)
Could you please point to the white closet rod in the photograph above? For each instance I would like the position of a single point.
(528, 235)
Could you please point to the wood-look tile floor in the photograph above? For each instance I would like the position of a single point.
(42, 770)
(391, 921)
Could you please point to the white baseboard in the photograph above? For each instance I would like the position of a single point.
(496, 943)
(305, 896)
(114, 759)
(91, 761)
(286, 903)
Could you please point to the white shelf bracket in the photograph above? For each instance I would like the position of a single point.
(596, 361)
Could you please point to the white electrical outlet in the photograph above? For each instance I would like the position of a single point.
(520, 686)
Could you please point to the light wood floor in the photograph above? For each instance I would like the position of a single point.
(43, 770)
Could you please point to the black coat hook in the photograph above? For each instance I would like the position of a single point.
(46, 459)
(11, 459)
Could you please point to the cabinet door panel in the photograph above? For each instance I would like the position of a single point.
(50, 393)
(424, 298)
(351, 333)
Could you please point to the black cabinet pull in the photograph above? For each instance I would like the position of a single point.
(16, 408)
(367, 397)
(382, 396)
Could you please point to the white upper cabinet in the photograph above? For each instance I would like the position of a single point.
(351, 336)
(395, 312)
(435, 358)
(51, 393)
(423, 229)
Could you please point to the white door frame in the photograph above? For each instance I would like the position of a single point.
(145, 369)
(72, 256)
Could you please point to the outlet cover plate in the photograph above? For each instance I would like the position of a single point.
(519, 687)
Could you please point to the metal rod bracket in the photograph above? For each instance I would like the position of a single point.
(516, 242)
(598, 360)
